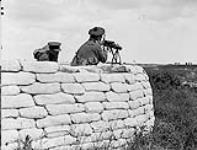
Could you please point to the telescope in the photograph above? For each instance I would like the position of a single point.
(114, 48)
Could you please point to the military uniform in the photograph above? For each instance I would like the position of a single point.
(90, 53)
(49, 52)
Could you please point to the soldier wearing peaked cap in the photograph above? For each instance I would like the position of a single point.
(49, 52)
(91, 52)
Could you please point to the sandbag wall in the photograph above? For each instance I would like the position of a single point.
(64, 107)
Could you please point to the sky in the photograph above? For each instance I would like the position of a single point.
(150, 31)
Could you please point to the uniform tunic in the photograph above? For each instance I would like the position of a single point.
(90, 53)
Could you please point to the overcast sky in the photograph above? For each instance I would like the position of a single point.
(150, 31)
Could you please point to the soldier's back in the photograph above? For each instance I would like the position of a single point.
(88, 49)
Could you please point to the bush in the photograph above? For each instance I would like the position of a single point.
(161, 79)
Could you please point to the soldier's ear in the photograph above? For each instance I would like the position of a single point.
(104, 36)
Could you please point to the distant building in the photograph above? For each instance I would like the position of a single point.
(177, 63)
(188, 63)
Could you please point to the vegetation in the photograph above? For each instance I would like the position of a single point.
(26, 144)
(176, 114)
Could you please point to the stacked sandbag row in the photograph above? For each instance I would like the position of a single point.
(60, 109)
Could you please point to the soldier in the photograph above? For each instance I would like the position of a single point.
(49, 52)
(91, 52)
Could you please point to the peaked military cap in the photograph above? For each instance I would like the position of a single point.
(96, 31)
(54, 45)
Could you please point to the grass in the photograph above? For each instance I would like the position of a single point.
(25, 144)
(176, 115)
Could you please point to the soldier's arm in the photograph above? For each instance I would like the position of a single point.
(101, 54)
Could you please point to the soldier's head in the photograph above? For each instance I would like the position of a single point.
(54, 49)
(55, 46)
(97, 33)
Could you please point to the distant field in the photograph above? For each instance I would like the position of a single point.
(175, 108)
(183, 72)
